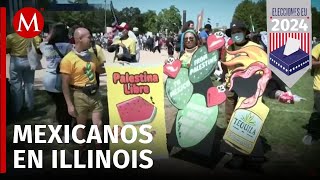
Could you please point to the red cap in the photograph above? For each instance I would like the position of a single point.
(123, 26)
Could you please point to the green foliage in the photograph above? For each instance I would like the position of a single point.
(315, 22)
(257, 11)
(133, 16)
(169, 18)
(150, 20)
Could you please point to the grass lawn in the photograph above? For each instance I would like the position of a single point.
(283, 130)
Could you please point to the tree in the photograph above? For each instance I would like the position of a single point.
(132, 16)
(257, 12)
(150, 21)
(169, 19)
(260, 18)
(315, 22)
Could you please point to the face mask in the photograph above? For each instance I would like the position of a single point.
(85, 55)
(237, 37)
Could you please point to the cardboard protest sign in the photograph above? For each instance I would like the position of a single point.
(179, 90)
(215, 96)
(195, 121)
(246, 87)
(188, 91)
(139, 100)
(250, 113)
(215, 42)
(172, 69)
(245, 126)
(202, 64)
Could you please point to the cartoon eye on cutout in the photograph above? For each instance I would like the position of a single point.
(221, 88)
(170, 60)
(219, 34)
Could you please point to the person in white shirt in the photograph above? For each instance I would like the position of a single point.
(133, 36)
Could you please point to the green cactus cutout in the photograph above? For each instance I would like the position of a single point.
(179, 90)
(202, 64)
(89, 72)
(195, 121)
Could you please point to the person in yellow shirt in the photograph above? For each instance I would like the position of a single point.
(98, 52)
(313, 127)
(190, 46)
(79, 84)
(124, 46)
(239, 34)
(20, 71)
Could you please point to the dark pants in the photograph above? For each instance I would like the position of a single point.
(170, 50)
(313, 127)
(98, 79)
(230, 104)
(316, 106)
(9, 101)
(62, 115)
(156, 48)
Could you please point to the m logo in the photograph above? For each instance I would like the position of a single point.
(28, 22)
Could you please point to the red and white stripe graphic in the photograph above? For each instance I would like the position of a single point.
(279, 39)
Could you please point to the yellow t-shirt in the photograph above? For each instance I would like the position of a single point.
(100, 54)
(316, 79)
(229, 57)
(19, 45)
(129, 43)
(186, 57)
(81, 72)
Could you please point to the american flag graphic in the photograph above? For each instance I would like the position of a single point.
(279, 39)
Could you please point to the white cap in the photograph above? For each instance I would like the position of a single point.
(135, 29)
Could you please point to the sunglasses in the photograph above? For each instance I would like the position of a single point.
(188, 39)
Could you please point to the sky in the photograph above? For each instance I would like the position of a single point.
(215, 10)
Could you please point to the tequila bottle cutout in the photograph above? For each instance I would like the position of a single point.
(245, 126)
(250, 113)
